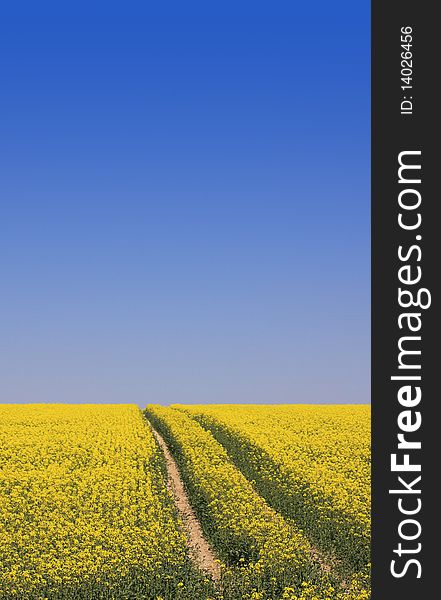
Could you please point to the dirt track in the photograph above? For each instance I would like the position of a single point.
(200, 550)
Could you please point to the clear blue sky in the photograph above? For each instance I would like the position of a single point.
(184, 202)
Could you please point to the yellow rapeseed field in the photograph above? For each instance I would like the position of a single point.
(84, 511)
(265, 556)
(282, 494)
(311, 463)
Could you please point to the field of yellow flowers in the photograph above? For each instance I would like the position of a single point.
(84, 510)
(310, 463)
(264, 552)
(281, 492)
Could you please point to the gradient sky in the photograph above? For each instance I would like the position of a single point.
(184, 202)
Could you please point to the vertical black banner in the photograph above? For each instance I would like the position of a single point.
(405, 323)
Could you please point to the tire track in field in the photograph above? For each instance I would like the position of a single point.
(200, 550)
(329, 564)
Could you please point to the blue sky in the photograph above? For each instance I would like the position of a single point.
(185, 202)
